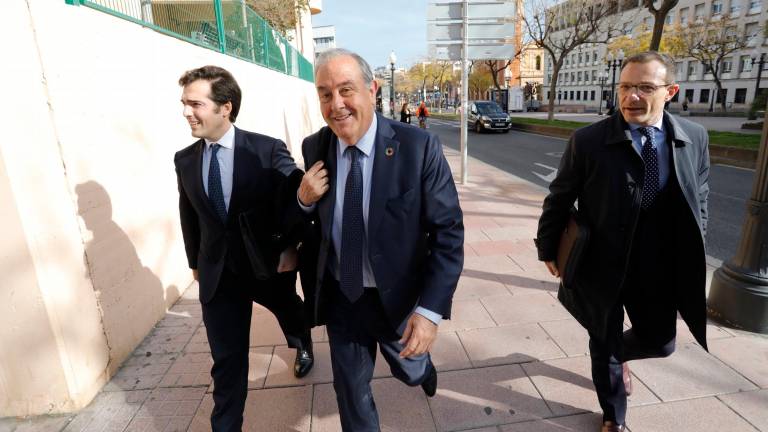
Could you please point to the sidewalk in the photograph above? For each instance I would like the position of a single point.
(510, 360)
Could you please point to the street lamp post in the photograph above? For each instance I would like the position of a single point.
(613, 64)
(507, 78)
(739, 291)
(760, 62)
(392, 60)
(602, 77)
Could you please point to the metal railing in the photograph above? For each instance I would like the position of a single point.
(227, 26)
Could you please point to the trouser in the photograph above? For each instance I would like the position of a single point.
(354, 331)
(227, 319)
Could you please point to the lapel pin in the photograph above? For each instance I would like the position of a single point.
(389, 151)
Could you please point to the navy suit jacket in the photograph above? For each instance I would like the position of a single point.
(415, 232)
(260, 187)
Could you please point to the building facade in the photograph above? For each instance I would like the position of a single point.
(580, 83)
(325, 38)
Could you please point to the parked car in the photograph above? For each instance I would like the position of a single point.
(532, 105)
(487, 115)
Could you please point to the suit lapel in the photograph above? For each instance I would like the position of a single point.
(385, 153)
(239, 172)
(326, 204)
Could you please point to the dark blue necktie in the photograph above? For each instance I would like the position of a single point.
(215, 194)
(651, 160)
(352, 230)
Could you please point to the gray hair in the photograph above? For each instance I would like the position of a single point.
(648, 56)
(326, 56)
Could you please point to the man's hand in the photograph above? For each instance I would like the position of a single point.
(289, 260)
(552, 267)
(419, 335)
(194, 275)
(314, 184)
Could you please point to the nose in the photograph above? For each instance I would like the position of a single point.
(187, 111)
(337, 102)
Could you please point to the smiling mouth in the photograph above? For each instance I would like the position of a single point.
(342, 117)
(194, 123)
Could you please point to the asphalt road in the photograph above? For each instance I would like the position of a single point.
(535, 158)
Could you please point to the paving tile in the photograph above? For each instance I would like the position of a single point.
(190, 369)
(576, 423)
(566, 385)
(690, 372)
(519, 232)
(496, 247)
(467, 314)
(750, 405)
(700, 415)
(448, 353)
(109, 411)
(529, 308)
(484, 397)
(35, 424)
(746, 354)
(474, 221)
(530, 282)
(569, 335)
(473, 235)
(266, 410)
(264, 328)
(476, 287)
(199, 342)
(191, 295)
(141, 372)
(518, 343)
(489, 267)
(714, 332)
(183, 315)
(165, 340)
(167, 410)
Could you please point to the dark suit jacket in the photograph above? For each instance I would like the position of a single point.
(260, 186)
(415, 226)
(601, 169)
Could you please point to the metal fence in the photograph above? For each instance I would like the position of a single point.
(228, 26)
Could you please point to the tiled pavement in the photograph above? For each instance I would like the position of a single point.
(510, 360)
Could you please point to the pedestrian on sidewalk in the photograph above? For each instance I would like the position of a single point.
(228, 174)
(405, 114)
(391, 238)
(641, 181)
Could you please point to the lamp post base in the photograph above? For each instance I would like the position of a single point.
(739, 300)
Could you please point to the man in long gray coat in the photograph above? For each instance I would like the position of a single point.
(641, 181)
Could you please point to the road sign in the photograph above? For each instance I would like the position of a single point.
(474, 52)
(444, 31)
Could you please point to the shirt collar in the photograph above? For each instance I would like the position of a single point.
(228, 140)
(658, 125)
(364, 144)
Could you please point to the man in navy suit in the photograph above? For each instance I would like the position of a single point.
(390, 237)
(226, 174)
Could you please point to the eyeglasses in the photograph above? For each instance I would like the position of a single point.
(643, 89)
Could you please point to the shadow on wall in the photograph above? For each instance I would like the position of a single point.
(130, 297)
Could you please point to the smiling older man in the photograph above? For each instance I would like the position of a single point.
(641, 181)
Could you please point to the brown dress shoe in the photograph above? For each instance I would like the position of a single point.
(627, 377)
(609, 426)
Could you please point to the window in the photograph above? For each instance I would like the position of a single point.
(684, 16)
(691, 68)
(592, 95)
(675, 97)
(689, 95)
(704, 96)
(751, 32)
(584, 95)
(705, 67)
(727, 65)
(670, 17)
(580, 58)
(594, 56)
(578, 95)
(565, 95)
(698, 12)
(594, 76)
(745, 64)
(679, 69)
(755, 6)
(571, 94)
(717, 7)
(549, 94)
(573, 77)
(721, 96)
(578, 77)
(538, 62)
(735, 7)
(741, 96)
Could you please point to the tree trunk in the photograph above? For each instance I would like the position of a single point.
(658, 29)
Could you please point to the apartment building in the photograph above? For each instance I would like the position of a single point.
(585, 74)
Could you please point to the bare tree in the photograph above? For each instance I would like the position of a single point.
(711, 41)
(659, 15)
(281, 15)
(561, 28)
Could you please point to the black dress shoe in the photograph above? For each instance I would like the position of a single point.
(304, 362)
(429, 385)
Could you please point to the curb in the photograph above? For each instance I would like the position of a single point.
(740, 157)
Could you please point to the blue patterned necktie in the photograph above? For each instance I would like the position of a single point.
(215, 194)
(651, 160)
(352, 231)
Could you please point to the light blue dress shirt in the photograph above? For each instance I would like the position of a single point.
(226, 158)
(660, 141)
(343, 163)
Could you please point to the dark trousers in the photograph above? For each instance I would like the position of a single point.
(354, 331)
(227, 319)
(648, 295)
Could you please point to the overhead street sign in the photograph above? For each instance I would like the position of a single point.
(474, 52)
(438, 32)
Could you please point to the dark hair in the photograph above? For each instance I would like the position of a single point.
(648, 56)
(224, 88)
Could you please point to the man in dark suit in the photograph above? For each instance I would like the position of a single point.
(390, 237)
(229, 174)
(641, 181)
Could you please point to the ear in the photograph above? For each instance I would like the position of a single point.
(225, 109)
(374, 88)
(671, 91)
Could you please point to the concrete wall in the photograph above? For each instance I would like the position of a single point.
(91, 255)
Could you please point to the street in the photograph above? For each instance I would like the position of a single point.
(535, 158)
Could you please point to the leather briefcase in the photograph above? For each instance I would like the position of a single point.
(573, 243)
